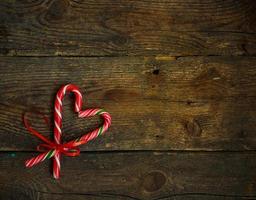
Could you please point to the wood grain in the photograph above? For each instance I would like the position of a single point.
(117, 28)
(157, 103)
(141, 175)
(178, 78)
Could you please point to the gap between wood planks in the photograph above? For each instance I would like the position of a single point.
(159, 56)
(144, 151)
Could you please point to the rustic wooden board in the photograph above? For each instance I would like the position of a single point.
(110, 27)
(160, 103)
(141, 175)
(183, 125)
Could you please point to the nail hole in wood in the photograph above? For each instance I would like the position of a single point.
(189, 102)
(156, 71)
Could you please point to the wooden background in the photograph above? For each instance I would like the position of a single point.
(178, 77)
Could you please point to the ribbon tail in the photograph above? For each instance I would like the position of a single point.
(40, 158)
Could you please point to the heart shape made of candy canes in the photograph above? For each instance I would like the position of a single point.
(70, 148)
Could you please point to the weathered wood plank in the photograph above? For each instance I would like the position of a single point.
(150, 175)
(114, 197)
(156, 103)
(110, 27)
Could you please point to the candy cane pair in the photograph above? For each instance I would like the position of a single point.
(55, 149)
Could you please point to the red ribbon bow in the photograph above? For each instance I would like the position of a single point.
(67, 149)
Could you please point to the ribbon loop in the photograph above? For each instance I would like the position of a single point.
(69, 150)
(44, 147)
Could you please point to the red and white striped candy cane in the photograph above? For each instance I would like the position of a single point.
(58, 120)
(70, 149)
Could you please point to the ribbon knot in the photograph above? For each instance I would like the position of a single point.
(49, 148)
(65, 149)
(54, 149)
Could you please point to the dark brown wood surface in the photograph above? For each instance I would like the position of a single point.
(141, 175)
(110, 27)
(178, 77)
(189, 104)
